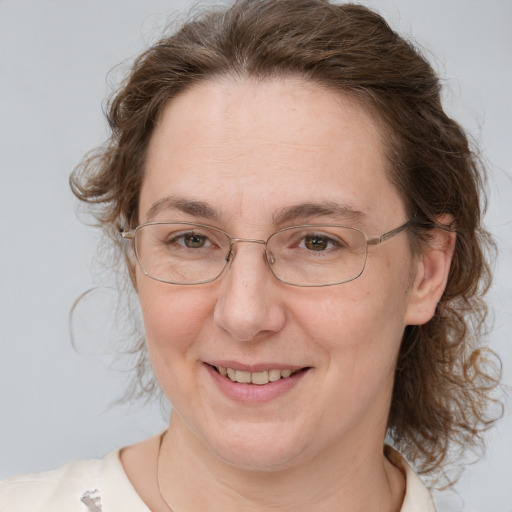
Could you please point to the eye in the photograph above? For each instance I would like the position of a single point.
(191, 240)
(316, 242)
(319, 242)
(194, 241)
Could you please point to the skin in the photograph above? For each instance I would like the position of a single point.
(249, 149)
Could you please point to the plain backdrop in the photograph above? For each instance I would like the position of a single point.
(55, 401)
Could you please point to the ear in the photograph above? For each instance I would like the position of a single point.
(431, 275)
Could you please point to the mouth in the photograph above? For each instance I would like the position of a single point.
(259, 378)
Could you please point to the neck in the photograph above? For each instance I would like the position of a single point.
(353, 477)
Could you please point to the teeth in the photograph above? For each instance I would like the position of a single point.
(274, 375)
(243, 377)
(259, 378)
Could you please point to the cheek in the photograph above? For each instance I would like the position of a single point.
(173, 316)
(357, 334)
(359, 327)
(358, 316)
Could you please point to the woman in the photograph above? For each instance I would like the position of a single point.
(301, 223)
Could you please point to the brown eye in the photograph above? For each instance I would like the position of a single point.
(316, 243)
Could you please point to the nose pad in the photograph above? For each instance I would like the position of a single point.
(229, 255)
(270, 258)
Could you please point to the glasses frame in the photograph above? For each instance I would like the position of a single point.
(131, 234)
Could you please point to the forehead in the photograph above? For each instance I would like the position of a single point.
(259, 146)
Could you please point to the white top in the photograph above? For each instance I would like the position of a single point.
(101, 485)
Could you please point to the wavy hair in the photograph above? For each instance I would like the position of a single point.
(445, 377)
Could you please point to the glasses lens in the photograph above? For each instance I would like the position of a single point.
(181, 253)
(317, 255)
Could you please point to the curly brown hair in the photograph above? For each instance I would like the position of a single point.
(445, 379)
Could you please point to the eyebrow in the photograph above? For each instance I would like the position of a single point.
(285, 215)
(322, 209)
(191, 207)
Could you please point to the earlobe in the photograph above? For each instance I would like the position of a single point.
(431, 276)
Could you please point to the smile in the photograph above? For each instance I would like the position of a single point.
(258, 378)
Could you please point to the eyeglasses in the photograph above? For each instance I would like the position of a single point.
(187, 253)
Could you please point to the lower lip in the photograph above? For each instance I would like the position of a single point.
(254, 393)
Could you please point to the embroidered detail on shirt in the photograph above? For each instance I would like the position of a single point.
(92, 500)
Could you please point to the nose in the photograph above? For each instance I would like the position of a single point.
(248, 305)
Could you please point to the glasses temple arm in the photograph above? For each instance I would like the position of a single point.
(389, 234)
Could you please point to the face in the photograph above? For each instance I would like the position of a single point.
(236, 155)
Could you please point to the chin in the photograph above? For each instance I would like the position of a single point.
(257, 449)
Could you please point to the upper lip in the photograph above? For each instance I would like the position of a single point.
(252, 368)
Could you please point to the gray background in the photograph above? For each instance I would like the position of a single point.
(55, 402)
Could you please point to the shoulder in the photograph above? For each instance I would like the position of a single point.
(63, 488)
(96, 485)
